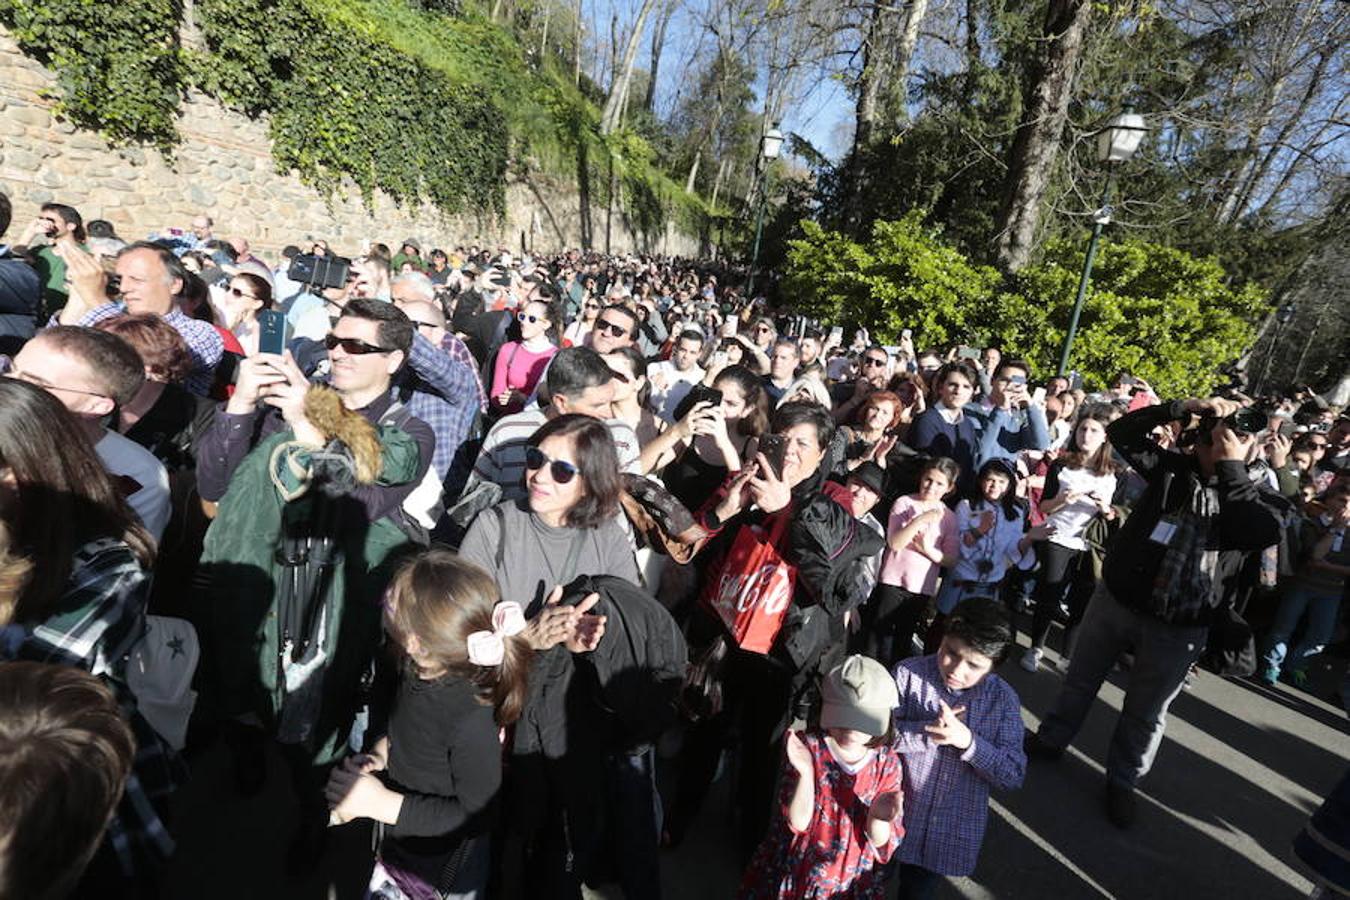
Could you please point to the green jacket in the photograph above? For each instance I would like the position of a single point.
(241, 559)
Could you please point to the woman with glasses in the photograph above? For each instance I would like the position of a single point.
(240, 303)
(576, 333)
(631, 393)
(520, 363)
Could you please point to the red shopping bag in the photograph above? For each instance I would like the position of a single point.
(752, 594)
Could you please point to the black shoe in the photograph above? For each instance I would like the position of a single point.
(1036, 748)
(1120, 807)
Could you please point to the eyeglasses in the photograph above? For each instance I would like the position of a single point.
(561, 470)
(526, 317)
(590, 306)
(352, 346)
(873, 361)
(604, 325)
(764, 328)
(20, 375)
(417, 324)
(238, 293)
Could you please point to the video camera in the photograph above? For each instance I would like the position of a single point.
(318, 272)
(1247, 421)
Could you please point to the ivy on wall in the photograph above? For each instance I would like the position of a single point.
(343, 103)
(119, 68)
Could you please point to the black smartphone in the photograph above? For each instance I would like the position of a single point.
(774, 448)
(699, 393)
(271, 332)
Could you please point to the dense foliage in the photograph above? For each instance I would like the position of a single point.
(425, 101)
(119, 68)
(1155, 311)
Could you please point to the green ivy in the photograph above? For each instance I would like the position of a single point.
(344, 103)
(118, 65)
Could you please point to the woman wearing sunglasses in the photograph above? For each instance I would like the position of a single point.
(520, 363)
(240, 303)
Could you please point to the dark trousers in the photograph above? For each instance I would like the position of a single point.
(917, 883)
(757, 694)
(890, 620)
(1058, 565)
(632, 824)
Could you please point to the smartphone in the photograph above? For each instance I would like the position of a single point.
(1038, 396)
(271, 332)
(700, 393)
(774, 448)
(967, 353)
(836, 335)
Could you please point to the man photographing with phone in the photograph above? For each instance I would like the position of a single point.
(1008, 420)
(1159, 591)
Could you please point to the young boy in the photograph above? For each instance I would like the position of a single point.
(959, 732)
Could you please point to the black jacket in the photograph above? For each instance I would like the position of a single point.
(20, 302)
(1247, 518)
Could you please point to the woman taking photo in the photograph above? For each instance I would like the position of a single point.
(83, 602)
(1078, 489)
(696, 454)
(520, 363)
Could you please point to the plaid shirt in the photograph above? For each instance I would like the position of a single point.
(440, 390)
(98, 620)
(946, 790)
(204, 343)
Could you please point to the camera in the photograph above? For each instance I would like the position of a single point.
(1247, 421)
(316, 272)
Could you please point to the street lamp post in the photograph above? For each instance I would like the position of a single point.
(1116, 143)
(769, 147)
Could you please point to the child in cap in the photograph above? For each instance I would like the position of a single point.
(958, 728)
(838, 820)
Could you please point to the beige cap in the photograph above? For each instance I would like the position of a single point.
(859, 695)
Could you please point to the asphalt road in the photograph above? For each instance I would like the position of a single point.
(1240, 770)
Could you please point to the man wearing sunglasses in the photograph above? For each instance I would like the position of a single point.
(578, 381)
(874, 372)
(615, 327)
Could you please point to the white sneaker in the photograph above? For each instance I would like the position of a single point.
(1031, 660)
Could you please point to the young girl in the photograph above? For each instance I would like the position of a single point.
(838, 821)
(921, 538)
(1078, 488)
(431, 780)
(993, 536)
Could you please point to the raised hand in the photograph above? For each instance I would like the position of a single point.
(798, 755)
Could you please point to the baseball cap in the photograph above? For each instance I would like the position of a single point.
(870, 475)
(859, 695)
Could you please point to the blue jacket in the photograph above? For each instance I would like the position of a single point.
(1002, 434)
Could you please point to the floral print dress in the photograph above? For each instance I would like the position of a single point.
(833, 858)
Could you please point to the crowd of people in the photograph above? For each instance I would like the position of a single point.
(482, 545)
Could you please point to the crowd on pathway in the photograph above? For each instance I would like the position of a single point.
(480, 544)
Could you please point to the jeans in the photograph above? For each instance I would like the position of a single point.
(1321, 611)
(1163, 654)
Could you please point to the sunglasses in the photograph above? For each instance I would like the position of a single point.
(417, 324)
(873, 361)
(353, 347)
(616, 330)
(526, 317)
(591, 306)
(238, 293)
(764, 328)
(561, 470)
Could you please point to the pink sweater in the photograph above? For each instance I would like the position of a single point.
(518, 369)
(907, 568)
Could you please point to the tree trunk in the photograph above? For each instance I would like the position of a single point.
(974, 57)
(543, 40)
(576, 58)
(612, 116)
(717, 182)
(693, 172)
(895, 104)
(875, 46)
(658, 44)
(1036, 144)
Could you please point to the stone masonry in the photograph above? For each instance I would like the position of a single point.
(224, 168)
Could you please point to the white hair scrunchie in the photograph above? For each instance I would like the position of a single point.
(487, 648)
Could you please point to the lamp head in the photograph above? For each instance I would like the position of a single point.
(1119, 140)
(772, 143)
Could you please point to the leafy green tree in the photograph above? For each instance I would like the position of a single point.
(1155, 311)
(905, 276)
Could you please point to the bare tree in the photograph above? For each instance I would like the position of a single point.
(612, 115)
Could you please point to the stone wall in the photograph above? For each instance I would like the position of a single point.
(224, 168)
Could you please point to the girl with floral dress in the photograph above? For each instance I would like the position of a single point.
(838, 821)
